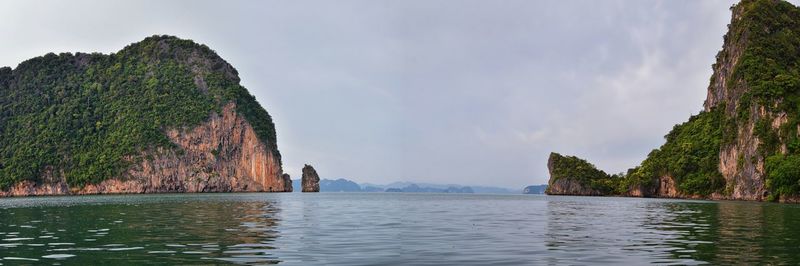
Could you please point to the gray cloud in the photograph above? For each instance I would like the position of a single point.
(469, 92)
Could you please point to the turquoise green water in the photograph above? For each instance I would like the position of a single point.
(392, 228)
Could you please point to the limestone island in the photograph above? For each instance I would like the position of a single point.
(161, 115)
(744, 145)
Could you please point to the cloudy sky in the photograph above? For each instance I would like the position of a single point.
(457, 91)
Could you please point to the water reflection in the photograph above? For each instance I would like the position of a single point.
(672, 232)
(734, 232)
(687, 230)
(171, 232)
(758, 233)
(593, 230)
(390, 229)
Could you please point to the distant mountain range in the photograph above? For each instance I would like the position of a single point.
(339, 185)
(345, 185)
(475, 189)
(413, 188)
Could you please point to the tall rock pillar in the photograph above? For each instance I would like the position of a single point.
(310, 180)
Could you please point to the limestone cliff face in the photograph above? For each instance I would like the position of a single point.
(664, 187)
(570, 187)
(740, 163)
(741, 154)
(221, 155)
(310, 179)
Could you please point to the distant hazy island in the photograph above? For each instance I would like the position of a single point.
(744, 145)
(346, 185)
(535, 189)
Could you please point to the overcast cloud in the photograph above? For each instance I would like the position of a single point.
(462, 91)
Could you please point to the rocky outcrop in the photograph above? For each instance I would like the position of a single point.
(570, 175)
(310, 179)
(287, 182)
(666, 188)
(221, 155)
(570, 186)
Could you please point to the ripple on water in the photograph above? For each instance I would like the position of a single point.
(246, 251)
(61, 244)
(20, 258)
(195, 252)
(17, 239)
(162, 252)
(125, 249)
(250, 259)
(58, 256)
(251, 245)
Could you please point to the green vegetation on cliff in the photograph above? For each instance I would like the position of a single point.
(89, 116)
(784, 172)
(580, 170)
(770, 68)
(690, 156)
(761, 55)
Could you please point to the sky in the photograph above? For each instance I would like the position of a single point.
(443, 91)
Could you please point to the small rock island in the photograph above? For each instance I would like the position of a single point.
(570, 175)
(310, 179)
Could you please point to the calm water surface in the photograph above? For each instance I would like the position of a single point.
(389, 228)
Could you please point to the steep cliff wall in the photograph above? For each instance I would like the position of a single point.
(220, 155)
(755, 83)
(740, 163)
